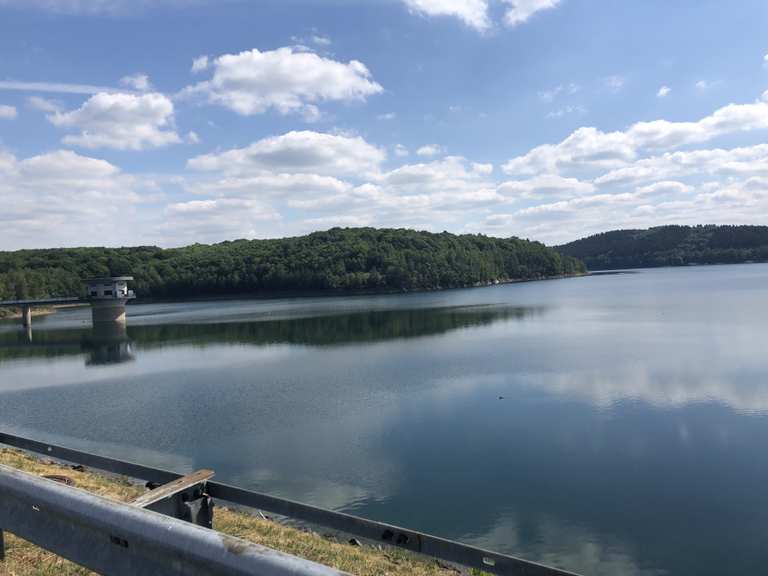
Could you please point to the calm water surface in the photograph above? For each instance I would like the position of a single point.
(610, 425)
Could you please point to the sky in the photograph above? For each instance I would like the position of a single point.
(170, 122)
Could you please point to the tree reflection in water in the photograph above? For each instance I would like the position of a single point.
(116, 343)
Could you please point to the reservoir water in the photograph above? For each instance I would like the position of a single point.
(611, 424)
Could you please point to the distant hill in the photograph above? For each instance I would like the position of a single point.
(338, 260)
(671, 246)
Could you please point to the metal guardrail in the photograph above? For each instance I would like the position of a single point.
(118, 539)
(419, 542)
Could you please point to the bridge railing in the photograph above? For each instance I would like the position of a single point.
(40, 302)
(414, 541)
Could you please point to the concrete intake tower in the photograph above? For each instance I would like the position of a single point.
(108, 297)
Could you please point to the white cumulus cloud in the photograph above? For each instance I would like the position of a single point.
(590, 148)
(473, 13)
(52, 199)
(121, 121)
(666, 188)
(477, 13)
(743, 161)
(663, 91)
(286, 80)
(299, 151)
(546, 185)
(649, 174)
(429, 150)
(585, 147)
(520, 11)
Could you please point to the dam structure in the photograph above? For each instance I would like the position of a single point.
(107, 297)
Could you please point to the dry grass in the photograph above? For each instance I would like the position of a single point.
(26, 559)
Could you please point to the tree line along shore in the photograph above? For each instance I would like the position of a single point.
(671, 246)
(340, 260)
(367, 260)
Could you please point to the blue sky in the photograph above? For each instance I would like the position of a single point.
(176, 121)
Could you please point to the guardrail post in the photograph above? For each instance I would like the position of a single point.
(184, 498)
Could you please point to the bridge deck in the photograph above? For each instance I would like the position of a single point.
(41, 302)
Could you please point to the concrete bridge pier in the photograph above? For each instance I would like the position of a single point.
(26, 316)
(108, 311)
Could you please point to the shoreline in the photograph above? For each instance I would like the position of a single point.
(291, 295)
(340, 293)
(686, 265)
(36, 311)
(15, 313)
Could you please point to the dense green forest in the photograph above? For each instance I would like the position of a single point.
(338, 260)
(671, 246)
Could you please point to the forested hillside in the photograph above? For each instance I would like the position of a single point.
(350, 259)
(671, 246)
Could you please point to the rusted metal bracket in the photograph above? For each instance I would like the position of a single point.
(184, 498)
